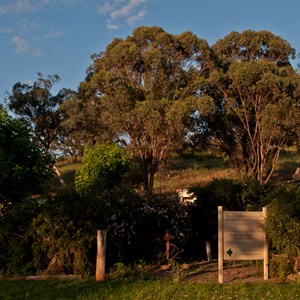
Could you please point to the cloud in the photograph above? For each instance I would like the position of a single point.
(6, 29)
(8, 7)
(120, 11)
(138, 17)
(21, 45)
(53, 34)
(19, 6)
(112, 27)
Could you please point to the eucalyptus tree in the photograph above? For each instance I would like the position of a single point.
(35, 104)
(146, 86)
(257, 104)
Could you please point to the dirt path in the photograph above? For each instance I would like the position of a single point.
(208, 272)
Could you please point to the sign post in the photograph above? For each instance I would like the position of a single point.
(220, 243)
(242, 237)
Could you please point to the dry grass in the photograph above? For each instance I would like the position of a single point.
(190, 178)
(192, 170)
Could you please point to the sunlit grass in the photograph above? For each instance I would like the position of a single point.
(190, 170)
(194, 170)
(134, 288)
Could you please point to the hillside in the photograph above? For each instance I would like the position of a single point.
(191, 170)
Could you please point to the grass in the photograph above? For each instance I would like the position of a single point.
(192, 169)
(132, 288)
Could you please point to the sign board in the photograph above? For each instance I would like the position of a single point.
(244, 236)
(241, 236)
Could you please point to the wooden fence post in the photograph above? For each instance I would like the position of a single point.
(101, 253)
(208, 251)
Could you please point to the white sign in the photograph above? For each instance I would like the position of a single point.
(244, 236)
(241, 236)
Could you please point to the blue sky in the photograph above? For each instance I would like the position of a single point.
(59, 36)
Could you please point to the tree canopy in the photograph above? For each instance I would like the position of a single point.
(155, 92)
(259, 101)
(35, 105)
(146, 86)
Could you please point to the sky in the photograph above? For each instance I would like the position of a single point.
(59, 36)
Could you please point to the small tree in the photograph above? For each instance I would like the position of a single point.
(23, 164)
(103, 167)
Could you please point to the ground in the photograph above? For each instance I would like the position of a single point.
(199, 272)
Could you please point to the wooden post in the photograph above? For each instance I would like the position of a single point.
(101, 253)
(266, 255)
(208, 251)
(167, 238)
(220, 242)
(167, 250)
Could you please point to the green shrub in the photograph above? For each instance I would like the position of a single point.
(103, 168)
(15, 241)
(24, 166)
(62, 235)
(234, 195)
(283, 227)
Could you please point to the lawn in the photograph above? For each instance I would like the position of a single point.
(133, 288)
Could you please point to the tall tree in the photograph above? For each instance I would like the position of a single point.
(146, 86)
(80, 125)
(257, 101)
(36, 105)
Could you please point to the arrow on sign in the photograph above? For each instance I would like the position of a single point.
(229, 252)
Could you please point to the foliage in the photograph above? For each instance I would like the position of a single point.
(145, 87)
(235, 195)
(254, 45)
(137, 224)
(23, 164)
(283, 227)
(36, 106)
(15, 241)
(62, 236)
(103, 167)
(256, 99)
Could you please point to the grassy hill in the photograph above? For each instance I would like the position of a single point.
(192, 169)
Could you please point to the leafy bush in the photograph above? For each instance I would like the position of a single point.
(62, 235)
(103, 168)
(283, 229)
(23, 164)
(235, 195)
(15, 241)
(137, 225)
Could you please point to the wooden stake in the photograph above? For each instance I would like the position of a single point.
(220, 242)
(266, 255)
(101, 253)
(208, 251)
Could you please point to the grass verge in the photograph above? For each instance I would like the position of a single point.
(132, 288)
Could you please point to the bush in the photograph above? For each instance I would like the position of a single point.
(15, 241)
(283, 229)
(103, 168)
(62, 235)
(234, 195)
(137, 225)
(23, 164)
